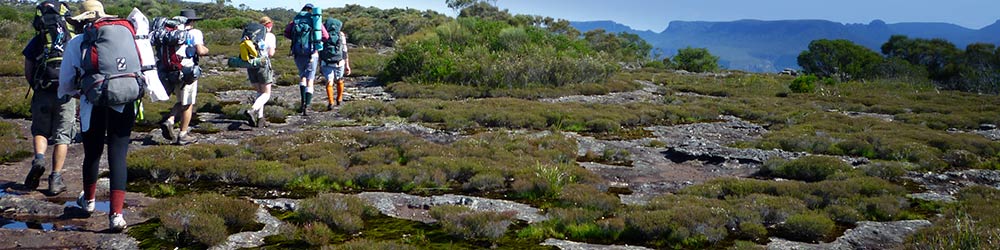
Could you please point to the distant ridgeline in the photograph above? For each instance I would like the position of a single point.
(770, 46)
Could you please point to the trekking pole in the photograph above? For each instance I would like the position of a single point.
(27, 93)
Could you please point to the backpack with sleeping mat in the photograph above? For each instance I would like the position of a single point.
(54, 33)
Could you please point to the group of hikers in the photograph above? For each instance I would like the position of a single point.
(89, 57)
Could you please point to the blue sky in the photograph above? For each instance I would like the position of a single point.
(656, 14)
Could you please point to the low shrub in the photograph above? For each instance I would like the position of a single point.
(809, 168)
(971, 223)
(343, 212)
(486, 182)
(205, 218)
(461, 221)
(316, 234)
(13, 148)
(806, 227)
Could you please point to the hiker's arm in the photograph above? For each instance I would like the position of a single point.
(29, 69)
(347, 63)
(201, 49)
(69, 68)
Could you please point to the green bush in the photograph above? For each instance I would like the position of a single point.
(804, 84)
(695, 60)
(13, 148)
(807, 227)
(808, 168)
(343, 212)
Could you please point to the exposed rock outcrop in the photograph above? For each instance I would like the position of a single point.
(868, 235)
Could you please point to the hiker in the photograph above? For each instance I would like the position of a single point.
(52, 118)
(336, 63)
(261, 75)
(187, 89)
(307, 33)
(102, 67)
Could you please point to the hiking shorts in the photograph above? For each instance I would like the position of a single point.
(187, 94)
(53, 117)
(260, 75)
(307, 65)
(332, 71)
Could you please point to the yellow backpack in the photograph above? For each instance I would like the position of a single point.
(248, 50)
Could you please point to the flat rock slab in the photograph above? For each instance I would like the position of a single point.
(949, 183)
(867, 235)
(412, 207)
(22, 239)
(570, 245)
(649, 93)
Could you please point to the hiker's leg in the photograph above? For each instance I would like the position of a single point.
(339, 75)
(42, 114)
(65, 124)
(187, 101)
(119, 132)
(327, 71)
(264, 91)
(311, 77)
(93, 148)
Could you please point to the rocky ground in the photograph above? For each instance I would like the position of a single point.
(674, 157)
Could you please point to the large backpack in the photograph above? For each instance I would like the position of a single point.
(54, 33)
(112, 71)
(167, 36)
(253, 43)
(306, 33)
(332, 53)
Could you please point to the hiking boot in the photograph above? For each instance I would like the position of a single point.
(185, 140)
(35, 175)
(304, 109)
(252, 117)
(117, 222)
(167, 130)
(262, 122)
(56, 185)
(329, 107)
(87, 205)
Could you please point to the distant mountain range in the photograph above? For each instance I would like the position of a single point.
(770, 46)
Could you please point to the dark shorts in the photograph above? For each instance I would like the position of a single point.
(54, 118)
(260, 75)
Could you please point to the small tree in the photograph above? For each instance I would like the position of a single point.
(839, 58)
(695, 60)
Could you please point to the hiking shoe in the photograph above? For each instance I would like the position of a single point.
(56, 185)
(185, 140)
(252, 117)
(35, 175)
(304, 109)
(87, 205)
(117, 222)
(329, 107)
(262, 122)
(167, 130)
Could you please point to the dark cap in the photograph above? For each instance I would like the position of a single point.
(308, 6)
(190, 14)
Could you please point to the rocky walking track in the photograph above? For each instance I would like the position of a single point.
(684, 155)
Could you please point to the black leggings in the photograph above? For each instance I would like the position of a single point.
(108, 126)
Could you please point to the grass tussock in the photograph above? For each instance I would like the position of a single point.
(471, 225)
(461, 92)
(13, 146)
(341, 212)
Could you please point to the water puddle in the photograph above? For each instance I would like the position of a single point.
(101, 206)
(22, 225)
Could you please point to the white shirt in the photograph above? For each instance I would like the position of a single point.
(190, 50)
(270, 42)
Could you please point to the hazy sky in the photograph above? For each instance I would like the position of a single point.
(656, 14)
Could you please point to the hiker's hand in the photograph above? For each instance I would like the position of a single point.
(347, 71)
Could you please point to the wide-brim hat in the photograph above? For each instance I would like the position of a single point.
(92, 9)
(190, 15)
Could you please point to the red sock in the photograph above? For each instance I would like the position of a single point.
(90, 191)
(117, 201)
